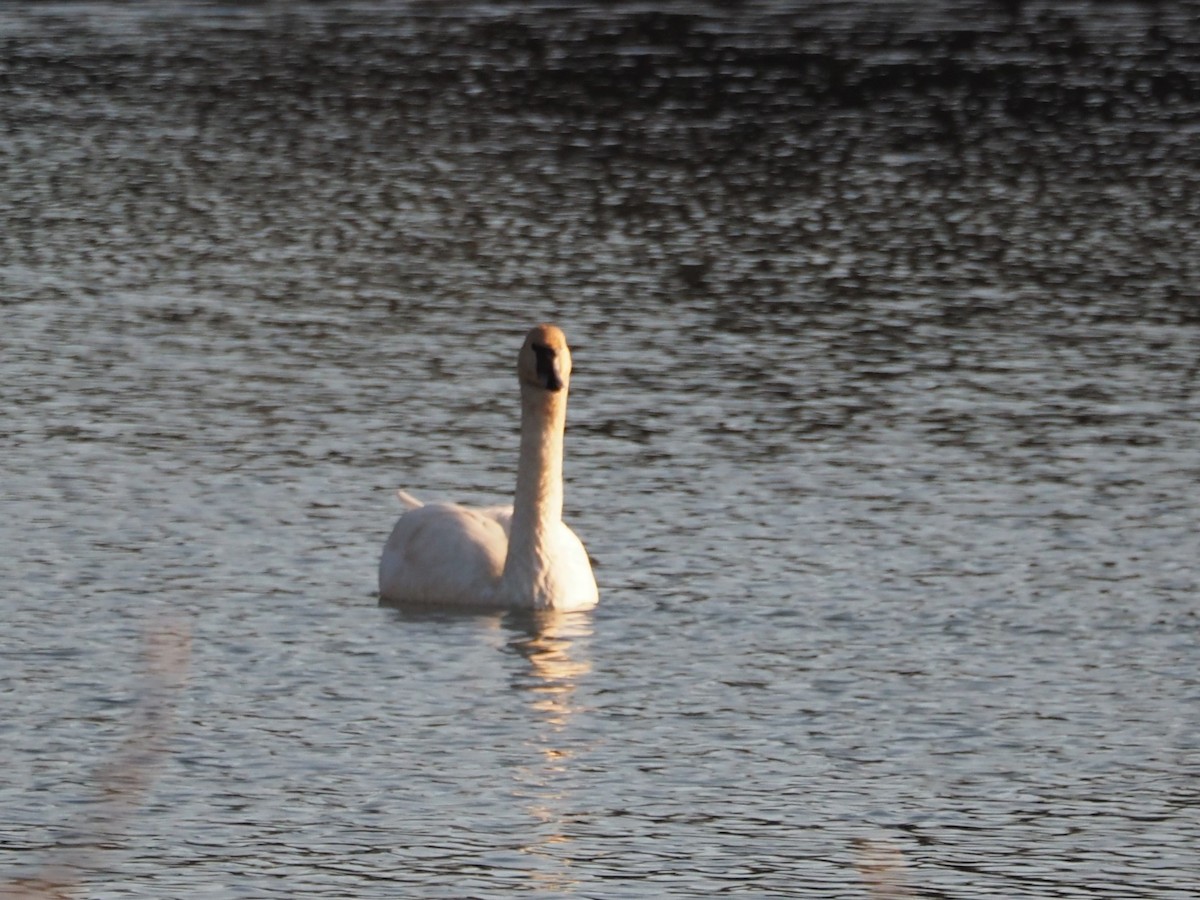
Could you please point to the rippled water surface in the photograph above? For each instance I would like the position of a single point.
(884, 438)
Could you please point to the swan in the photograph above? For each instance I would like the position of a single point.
(501, 557)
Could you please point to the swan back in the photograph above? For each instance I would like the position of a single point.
(443, 554)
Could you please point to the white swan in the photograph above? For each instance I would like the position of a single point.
(509, 557)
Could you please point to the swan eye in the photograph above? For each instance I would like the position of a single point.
(547, 367)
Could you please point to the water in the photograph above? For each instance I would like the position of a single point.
(883, 437)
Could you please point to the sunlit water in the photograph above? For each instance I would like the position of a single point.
(884, 438)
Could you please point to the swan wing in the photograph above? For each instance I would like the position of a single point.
(408, 500)
(443, 554)
(501, 515)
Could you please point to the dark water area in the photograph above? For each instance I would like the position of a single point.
(884, 438)
(953, 148)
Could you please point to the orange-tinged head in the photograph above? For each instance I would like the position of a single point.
(545, 359)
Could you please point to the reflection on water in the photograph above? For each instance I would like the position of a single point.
(882, 435)
(881, 866)
(555, 662)
(555, 645)
(121, 781)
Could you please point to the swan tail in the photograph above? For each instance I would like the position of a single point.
(409, 500)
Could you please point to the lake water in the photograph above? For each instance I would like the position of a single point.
(884, 436)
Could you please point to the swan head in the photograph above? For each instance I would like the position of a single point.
(545, 359)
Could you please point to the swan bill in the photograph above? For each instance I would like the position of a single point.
(547, 368)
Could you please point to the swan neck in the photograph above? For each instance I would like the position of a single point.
(539, 496)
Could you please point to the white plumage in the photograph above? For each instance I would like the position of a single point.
(508, 557)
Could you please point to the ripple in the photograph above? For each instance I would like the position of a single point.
(882, 435)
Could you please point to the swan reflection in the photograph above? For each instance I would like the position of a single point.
(550, 642)
(555, 646)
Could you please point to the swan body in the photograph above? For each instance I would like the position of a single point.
(501, 557)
